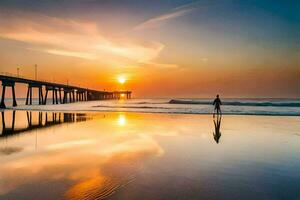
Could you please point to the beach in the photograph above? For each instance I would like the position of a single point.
(149, 100)
(135, 155)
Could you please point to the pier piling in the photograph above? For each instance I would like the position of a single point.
(4, 85)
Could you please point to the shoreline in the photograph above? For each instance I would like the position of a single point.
(142, 112)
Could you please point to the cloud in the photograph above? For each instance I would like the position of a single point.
(73, 38)
(159, 65)
(140, 51)
(175, 13)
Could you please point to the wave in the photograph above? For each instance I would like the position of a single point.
(238, 103)
(148, 102)
(141, 107)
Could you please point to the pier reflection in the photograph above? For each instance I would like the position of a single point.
(217, 125)
(36, 120)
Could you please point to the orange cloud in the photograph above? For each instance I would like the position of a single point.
(72, 38)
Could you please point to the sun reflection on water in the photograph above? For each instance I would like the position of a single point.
(122, 120)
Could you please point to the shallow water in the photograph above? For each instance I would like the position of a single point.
(148, 156)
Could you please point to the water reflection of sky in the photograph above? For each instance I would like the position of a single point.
(146, 156)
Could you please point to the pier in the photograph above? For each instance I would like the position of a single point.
(61, 93)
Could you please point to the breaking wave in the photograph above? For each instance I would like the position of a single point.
(240, 103)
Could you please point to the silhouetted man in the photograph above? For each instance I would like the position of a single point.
(217, 103)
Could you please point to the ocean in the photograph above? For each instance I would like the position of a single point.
(266, 106)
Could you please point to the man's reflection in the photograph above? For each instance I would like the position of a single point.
(217, 133)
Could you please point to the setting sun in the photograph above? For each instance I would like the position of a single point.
(121, 79)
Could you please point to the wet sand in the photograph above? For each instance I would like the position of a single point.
(148, 156)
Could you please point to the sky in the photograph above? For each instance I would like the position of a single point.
(162, 48)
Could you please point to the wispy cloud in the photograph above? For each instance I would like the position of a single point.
(75, 54)
(175, 13)
(159, 65)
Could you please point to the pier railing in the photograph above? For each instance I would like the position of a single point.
(38, 79)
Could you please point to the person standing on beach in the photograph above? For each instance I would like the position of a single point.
(217, 103)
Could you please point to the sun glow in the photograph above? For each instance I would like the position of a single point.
(121, 79)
